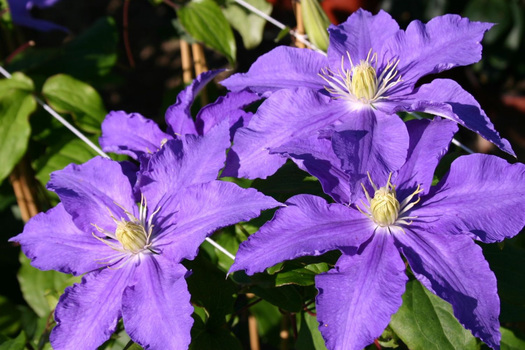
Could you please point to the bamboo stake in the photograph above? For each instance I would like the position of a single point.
(300, 24)
(285, 333)
(24, 190)
(199, 62)
(252, 329)
(187, 68)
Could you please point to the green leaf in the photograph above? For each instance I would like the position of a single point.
(69, 95)
(285, 297)
(19, 343)
(300, 275)
(16, 105)
(205, 22)
(507, 261)
(495, 11)
(205, 277)
(509, 341)
(425, 321)
(309, 337)
(132, 346)
(92, 53)
(269, 321)
(282, 34)
(288, 181)
(17, 81)
(216, 339)
(41, 289)
(60, 155)
(9, 316)
(249, 25)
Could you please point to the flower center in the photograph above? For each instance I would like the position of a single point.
(363, 83)
(384, 208)
(132, 235)
(360, 83)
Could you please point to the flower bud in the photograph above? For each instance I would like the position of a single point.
(315, 23)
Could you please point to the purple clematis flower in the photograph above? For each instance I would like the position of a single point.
(369, 74)
(396, 214)
(21, 15)
(136, 136)
(130, 253)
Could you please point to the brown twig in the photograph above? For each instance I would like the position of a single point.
(18, 50)
(171, 4)
(125, 33)
(309, 312)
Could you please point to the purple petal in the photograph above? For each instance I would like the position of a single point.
(455, 270)
(53, 242)
(316, 156)
(446, 98)
(230, 107)
(202, 209)
(361, 32)
(156, 310)
(20, 15)
(373, 143)
(481, 195)
(306, 226)
(91, 191)
(443, 43)
(181, 163)
(286, 115)
(358, 297)
(131, 134)
(178, 115)
(42, 3)
(429, 141)
(87, 313)
(282, 68)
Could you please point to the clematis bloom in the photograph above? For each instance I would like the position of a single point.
(396, 213)
(368, 75)
(131, 253)
(136, 136)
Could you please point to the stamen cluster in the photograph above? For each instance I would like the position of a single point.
(360, 83)
(133, 234)
(384, 209)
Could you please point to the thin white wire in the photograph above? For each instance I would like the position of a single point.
(221, 248)
(95, 147)
(5, 73)
(278, 24)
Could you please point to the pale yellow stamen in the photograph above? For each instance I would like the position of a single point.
(384, 208)
(360, 83)
(132, 234)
